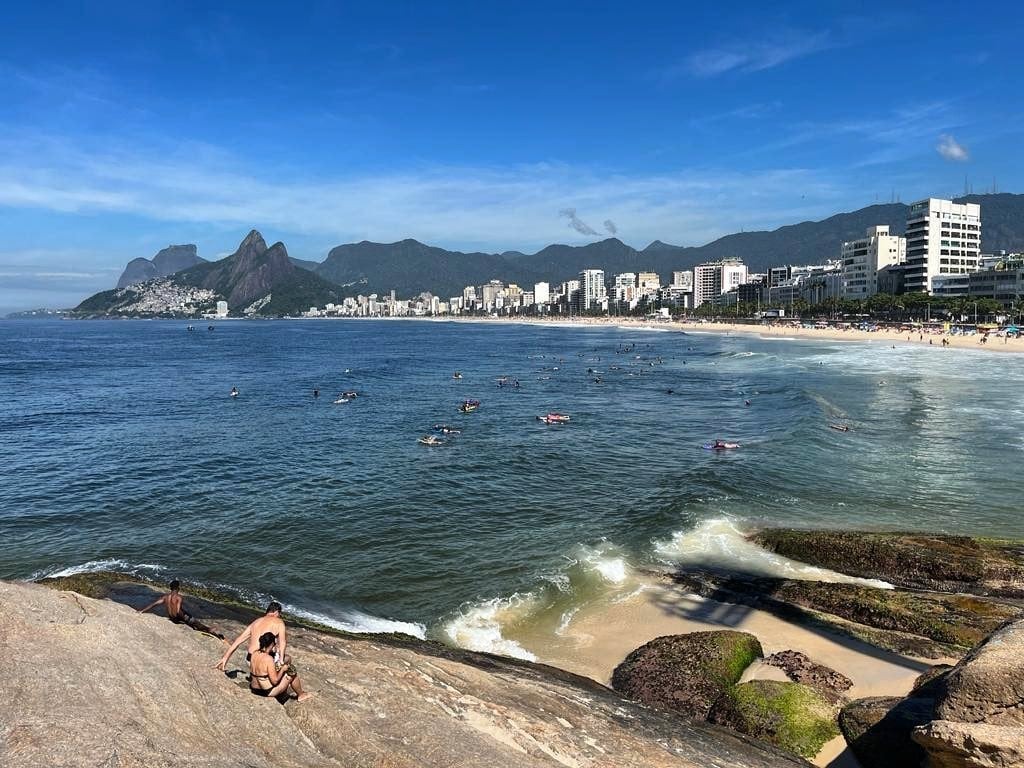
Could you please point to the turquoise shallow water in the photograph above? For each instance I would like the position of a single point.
(120, 448)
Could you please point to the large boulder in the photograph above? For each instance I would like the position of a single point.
(686, 673)
(788, 715)
(93, 683)
(878, 730)
(987, 686)
(971, 745)
(915, 561)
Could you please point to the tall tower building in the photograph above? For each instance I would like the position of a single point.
(592, 290)
(943, 238)
(714, 278)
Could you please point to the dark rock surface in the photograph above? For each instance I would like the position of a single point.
(800, 669)
(910, 560)
(878, 730)
(169, 260)
(686, 673)
(789, 715)
(97, 684)
(923, 624)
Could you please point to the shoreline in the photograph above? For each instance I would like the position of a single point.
(602, 633)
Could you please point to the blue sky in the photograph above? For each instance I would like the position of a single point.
(125, 127)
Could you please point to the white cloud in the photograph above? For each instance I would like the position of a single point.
(951, 149)
(458, 206)
(755, 55)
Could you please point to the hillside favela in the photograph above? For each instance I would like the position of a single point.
(410, 385)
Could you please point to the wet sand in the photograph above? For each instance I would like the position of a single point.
(604, 632)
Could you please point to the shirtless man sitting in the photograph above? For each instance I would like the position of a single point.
(269, 622)
(176, 612)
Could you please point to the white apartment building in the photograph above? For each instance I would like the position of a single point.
(541, 293)
(714, 278)
(943, 238)
(624, 288)
(683, 280)
(864, 257)
(592, 292)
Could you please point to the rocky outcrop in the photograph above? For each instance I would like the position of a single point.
(974, 745)
(686, 673)
(800, 669)
(979, 713)
(878, 730)
(914, 623)
(916, 561)
(169, 260)
(788, 715)
(94, 683)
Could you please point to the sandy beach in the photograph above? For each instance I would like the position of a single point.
(604, 632)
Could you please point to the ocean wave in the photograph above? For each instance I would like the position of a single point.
(478, 626)
(97, 566)
(719, 543)
(359, 622)
(349, 620)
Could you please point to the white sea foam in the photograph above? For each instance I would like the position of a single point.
(604, 560)
(719, 543)
(359, 622)
(478, 626)
(95, 566)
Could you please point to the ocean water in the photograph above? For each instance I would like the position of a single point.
(121, 449)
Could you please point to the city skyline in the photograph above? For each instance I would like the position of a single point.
(130, 128)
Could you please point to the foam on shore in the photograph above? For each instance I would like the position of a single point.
(721, 545)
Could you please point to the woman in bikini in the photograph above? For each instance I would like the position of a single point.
(267, 680)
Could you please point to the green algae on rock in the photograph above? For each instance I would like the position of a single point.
(686, 673)
(789, 715)
(911, 560)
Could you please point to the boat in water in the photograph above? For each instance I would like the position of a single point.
(430, 440)
(718, 445)
(839, 427)
(457, 375)
(468, 406)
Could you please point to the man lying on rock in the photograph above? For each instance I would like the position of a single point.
(270, 679)
(176, 612)
(270, 622)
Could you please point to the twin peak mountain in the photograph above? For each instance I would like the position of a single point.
(256, 274)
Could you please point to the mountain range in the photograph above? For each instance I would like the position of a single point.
(255, 279)
(409, 267)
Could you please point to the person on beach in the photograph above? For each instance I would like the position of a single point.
(173, 604)
(270, 622)
(270, 679)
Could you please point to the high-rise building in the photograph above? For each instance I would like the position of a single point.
(624, 287)
(592, 293)
(715, 278)
(863, 258)
(489, 294)
(541, 293)
(683, 279)
(647, 283)
(943, 238)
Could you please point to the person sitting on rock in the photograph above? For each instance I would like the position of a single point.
(267, 678)
(270, 622)
(176, 612)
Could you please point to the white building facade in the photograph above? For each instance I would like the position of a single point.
(863, 258)
(943, 238)
(592, 291)
(715, 278)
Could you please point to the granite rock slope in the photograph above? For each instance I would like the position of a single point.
(94, 683)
